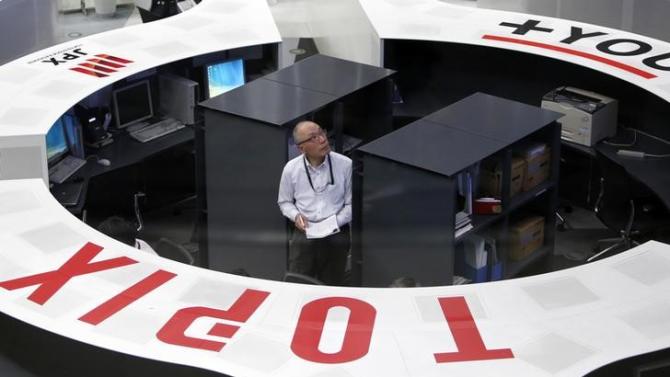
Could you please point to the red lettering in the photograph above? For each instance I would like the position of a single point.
(464, 330)
(52, 281)
(357, 338)
(173, 332)
(127, 297)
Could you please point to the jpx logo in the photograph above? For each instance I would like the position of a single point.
(98, 65)
(602, 43)
(66, 57)
(101, 65)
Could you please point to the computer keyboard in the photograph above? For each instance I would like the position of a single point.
(156, 130)
(65, 168)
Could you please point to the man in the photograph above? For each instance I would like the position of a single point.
(123, 230)
(315, 187)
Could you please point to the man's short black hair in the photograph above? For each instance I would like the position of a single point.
(120, 229)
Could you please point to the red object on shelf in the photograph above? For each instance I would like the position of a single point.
(486, 206)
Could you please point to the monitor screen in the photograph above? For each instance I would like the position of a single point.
(73, 134)
(57, 144)
(63, 138)
(132, 104)
(224, 76)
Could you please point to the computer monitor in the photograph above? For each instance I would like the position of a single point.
(224, 76)
(57, 145)
(63, 138)
(132, 104)
(73, 133)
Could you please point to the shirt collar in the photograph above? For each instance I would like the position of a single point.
(315, 168)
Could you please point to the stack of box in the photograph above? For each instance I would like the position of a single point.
(536, 157)
(525, 237)
(491, 178)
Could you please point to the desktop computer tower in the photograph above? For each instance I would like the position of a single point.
(178, 97)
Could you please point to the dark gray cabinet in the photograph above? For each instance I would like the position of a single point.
(246, 145)
(406, 191)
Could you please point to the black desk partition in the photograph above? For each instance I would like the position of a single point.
(246, 136)
(405, 188)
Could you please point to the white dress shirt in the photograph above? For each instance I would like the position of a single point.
(144, 246)
(327, 198)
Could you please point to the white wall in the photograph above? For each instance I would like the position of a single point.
(341, 29)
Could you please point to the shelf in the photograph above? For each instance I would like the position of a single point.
(525, 197)
(479, 222)
(513, 268)
(436, 152)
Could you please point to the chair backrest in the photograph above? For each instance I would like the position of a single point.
(166, 248)
(294, 277)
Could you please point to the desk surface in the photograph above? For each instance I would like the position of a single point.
(292, 92)
(467, 131)
(123, 152)
(126, 151)
(650, 171)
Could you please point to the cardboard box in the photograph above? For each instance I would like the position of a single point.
(537, 167)
(491, 179)
(525, 237)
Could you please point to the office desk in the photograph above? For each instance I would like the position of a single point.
(578, 184)
(122, 153)
(125, 150)
(652, 172)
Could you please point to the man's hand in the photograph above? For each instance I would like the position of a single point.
(300, 222)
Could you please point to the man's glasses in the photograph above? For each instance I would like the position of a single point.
(317, 136)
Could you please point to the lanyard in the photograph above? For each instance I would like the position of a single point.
(309, 178)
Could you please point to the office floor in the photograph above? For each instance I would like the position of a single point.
(574, 243)
(75, 24)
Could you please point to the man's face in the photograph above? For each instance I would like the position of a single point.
(313, 141)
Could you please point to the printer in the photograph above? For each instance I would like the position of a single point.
(589, 117)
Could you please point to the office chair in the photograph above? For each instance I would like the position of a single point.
(294, 277)
(624, 206)
(561, 222)
(166, 248)
(136, 209)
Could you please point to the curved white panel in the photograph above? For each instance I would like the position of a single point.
(640, 60)
(60, 275)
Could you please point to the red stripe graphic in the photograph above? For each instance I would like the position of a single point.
(105, 62)
(127, 297)
(98, 67)
(114, 58)
(586, 55)
(86, 71)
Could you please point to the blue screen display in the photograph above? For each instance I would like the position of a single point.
(64, 137)
(56, 142)
(73, 135)
(222, 77)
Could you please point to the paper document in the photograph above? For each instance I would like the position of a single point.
(323, 228)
